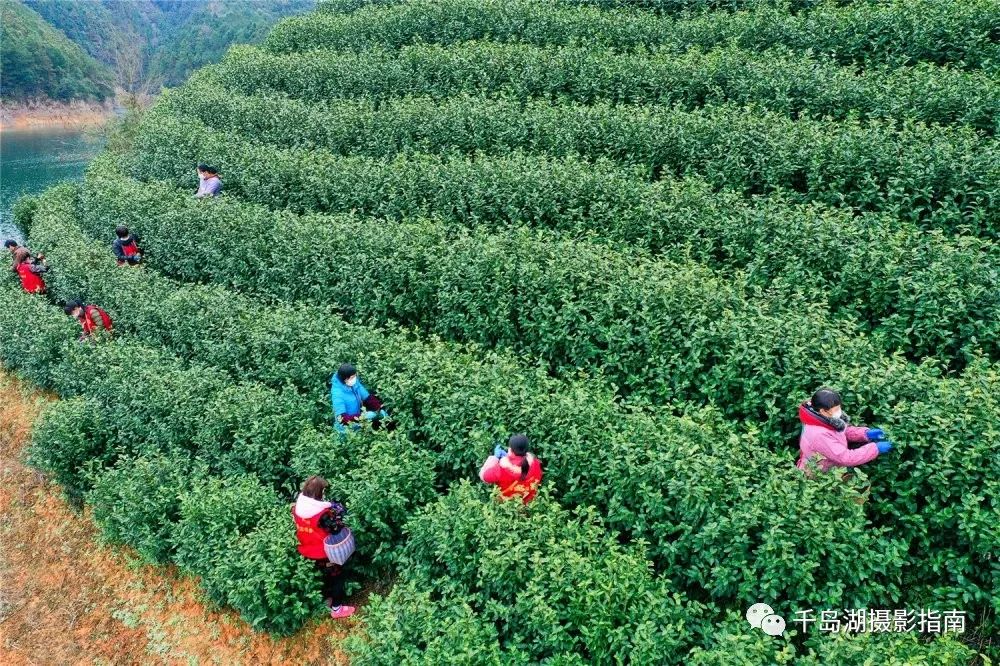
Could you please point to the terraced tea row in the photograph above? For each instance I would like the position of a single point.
(935, 177)
(577, 303)
(789, 83)
(578, 471)
(899, 32)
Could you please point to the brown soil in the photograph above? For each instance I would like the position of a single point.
(51, 114)
(65, 599)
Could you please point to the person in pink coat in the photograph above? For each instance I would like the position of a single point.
(826, 433)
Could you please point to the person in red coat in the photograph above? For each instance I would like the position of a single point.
(315, 520)
(91, 318)
(126, 247)
(29, 271)
(517, 472)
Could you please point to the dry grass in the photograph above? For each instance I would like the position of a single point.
(66, 599)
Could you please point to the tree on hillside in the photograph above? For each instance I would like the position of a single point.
(133, 81)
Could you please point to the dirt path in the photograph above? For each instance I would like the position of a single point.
(65, 599)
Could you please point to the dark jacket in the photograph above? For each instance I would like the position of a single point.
(118, 247)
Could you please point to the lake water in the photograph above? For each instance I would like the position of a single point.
(34, 160)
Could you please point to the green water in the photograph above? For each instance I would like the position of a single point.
(34, 160)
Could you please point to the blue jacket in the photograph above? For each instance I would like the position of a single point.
(346, 400)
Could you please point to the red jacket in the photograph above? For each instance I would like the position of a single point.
(307, 512)
(506, 473)
(32, 282)
(90, 322)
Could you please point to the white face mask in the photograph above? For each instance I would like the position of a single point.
(837, 414)
(352, 381)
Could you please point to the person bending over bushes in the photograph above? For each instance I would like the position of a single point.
(91, 318)
(209, 182)
(352, 403)
(517, 473)
(324, 539)
(12, 246)
(126, 247)
(826, 434)
(30, 271)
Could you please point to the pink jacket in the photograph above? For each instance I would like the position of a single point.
(824, 442)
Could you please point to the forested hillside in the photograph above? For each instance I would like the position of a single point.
(38, 61)
(178, 36)
(63, 50)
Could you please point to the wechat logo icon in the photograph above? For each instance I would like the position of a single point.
(761, 616)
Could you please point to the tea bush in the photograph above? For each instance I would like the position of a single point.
(34, 350)
(924, 294)
(23, 211)
(265, 579)
(952, 488)
(213, 515)
(664, 6)
(675, 6)
(413, 625)
(786, 82)
(648, 290)
(937, 177)
(137, 502)
(552, 583)
(348, 6)
(896, 32)
(463, 419)
(464, 123)
(68, 442)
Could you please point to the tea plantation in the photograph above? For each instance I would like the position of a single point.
(643, 232)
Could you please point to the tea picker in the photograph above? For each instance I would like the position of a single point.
(126, 247)
(30, 271)
(91, 318)
(826, 434)
(353, 403)
(209, 183)
(12, 246)
(325, 540)
(518, 472)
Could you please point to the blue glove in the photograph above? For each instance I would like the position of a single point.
(499, 451)
(874, 434)
(369, 416)
(884, 446)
